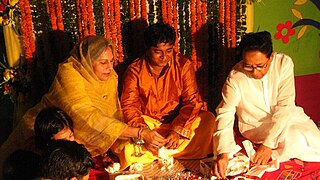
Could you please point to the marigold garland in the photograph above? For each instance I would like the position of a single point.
(164, 11)
(204, 12)
(169, 12)
(90, 17)
(233, 24)
(137, 9)
(131, 7)
(227, 23)
(52, 15)
(84, 17)
(198, 15)
(221, 22)
(27, 30)
(144, 14)
(193, 32)
(78, 5)
(119, 32)
(113, 25)
(106, 18)
(59, 15)
(175, 24)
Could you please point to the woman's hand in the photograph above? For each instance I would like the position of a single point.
(152, 138)
(262, 155)
(172, 140)
(220, 166)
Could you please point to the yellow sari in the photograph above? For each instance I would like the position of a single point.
(92, 104)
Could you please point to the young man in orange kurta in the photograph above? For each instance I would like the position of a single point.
(160, 91)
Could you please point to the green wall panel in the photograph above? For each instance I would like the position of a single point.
(303, 45)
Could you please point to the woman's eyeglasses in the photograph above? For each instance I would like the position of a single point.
(252, 68)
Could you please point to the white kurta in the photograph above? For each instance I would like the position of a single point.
(267, 113)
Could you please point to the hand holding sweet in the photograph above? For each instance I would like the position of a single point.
(172, 140)
(262, 155)
(152, 138)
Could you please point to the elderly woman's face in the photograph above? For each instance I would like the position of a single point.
(104, 65)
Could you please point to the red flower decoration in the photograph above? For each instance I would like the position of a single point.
(284, 32)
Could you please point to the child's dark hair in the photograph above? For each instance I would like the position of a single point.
(49, 122)
(260, 41)
(159, 33)
(64, 159)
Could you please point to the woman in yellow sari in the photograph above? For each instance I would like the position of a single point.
(85, 87)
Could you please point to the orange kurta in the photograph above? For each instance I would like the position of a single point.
(168, 102)
(171, 98)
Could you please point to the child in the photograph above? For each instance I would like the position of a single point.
(65, 160)
(51, 124)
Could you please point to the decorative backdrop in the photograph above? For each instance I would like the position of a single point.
(295, 27)
(207, 32)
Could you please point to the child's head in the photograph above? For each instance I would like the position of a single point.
(66, 160)
(51, 124)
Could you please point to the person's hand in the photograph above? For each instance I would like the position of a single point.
(262, 155)
(152, 138)
(151, 148)
(172, 140)
(220, 166)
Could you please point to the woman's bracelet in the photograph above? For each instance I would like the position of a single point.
(141, 130)
(139, 140)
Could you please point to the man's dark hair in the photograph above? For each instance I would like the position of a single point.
(159, 33)
(21, 164)
(260, 41)
(49, 122)
(64, 160)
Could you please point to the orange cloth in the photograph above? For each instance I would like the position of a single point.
(168, 102)
(173, 98)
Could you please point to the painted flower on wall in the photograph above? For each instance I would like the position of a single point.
(304, 22)
(284, 32)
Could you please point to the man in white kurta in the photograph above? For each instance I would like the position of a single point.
(263, 99)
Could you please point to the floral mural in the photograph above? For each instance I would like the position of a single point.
(295, 26)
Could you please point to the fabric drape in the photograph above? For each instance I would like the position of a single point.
(13, 46)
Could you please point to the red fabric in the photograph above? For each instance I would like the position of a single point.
(308, 94)
(98, 173)
(293, 169)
